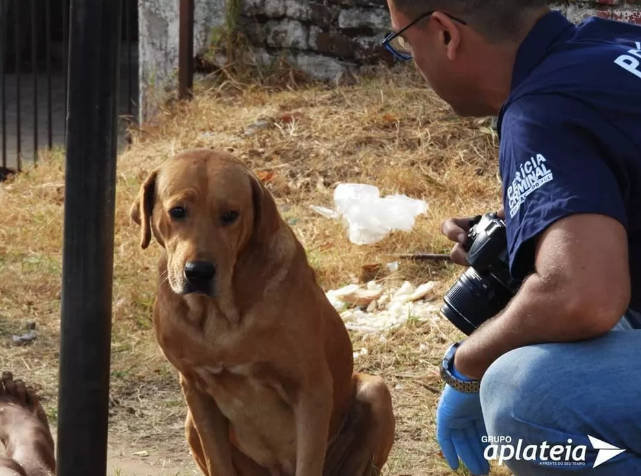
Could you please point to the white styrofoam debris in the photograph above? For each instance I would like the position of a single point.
(373, 306)
(405, 290)
(360, 353)
(422, 291)
(374, 286)
(350, 288)
(347, 315)
(390, 309)
(334, 296)
(361, 297)
(359, 315)
(339, 305)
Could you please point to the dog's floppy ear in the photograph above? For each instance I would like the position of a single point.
(143, 207)
(266, 219)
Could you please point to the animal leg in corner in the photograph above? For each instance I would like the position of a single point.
(213, 429)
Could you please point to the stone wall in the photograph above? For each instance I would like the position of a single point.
(326, 37)
(620, 10)
(323, 37)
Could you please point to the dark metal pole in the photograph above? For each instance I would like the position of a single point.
(34, 72)
(48, 53)
(87, 271)
(65, 57)
(17, 19)
(127, 8)
(3, 85)
(186, 49)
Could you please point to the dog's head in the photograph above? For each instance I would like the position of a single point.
(205, 208)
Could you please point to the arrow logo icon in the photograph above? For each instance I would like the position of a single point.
(606, 451)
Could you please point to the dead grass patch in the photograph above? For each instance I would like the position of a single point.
(387, 129)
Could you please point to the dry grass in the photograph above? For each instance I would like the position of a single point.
(386, 129)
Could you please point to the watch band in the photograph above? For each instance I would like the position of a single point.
(449, 377)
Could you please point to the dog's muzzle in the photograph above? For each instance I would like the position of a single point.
(199, 277)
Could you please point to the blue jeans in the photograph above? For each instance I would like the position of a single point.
(555, 392)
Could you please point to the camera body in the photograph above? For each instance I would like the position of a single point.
(487, 286)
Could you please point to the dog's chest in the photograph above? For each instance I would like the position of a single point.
(239, 386)
(189, 347)
(233, 371)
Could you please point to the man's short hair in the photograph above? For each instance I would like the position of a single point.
(497, 20)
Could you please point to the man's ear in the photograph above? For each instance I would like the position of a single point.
(449, 34)
(143, 207)
(266, 220)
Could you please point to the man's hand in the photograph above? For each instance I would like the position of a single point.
(459, 428)
(456, 229)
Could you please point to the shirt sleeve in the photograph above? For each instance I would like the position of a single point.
(552, 165)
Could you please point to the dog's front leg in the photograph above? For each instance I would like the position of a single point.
(312, 412)
(213, 429)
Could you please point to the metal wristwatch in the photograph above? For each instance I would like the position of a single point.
(464, 386)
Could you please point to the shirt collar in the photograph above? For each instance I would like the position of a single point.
(537, 44)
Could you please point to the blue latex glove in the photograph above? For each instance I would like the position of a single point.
(459, 428)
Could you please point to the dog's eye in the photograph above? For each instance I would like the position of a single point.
(229, 217)
(177, 212)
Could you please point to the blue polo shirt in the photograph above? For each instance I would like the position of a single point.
(571, 134)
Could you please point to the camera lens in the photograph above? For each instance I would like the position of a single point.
(474, 299)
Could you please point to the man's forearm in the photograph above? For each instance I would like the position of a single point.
(539, 313)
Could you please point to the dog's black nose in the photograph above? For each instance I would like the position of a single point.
(199, 273)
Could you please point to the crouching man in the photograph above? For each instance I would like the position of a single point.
(557, 371)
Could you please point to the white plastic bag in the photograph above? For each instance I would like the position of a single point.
(369, 217)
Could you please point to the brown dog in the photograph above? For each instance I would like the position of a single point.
(265, 361)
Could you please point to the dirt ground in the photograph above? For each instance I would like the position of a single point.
(167, 458)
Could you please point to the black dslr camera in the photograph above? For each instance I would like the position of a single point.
(487, 286)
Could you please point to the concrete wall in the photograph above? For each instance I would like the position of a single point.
(323, 37)
(158, 23)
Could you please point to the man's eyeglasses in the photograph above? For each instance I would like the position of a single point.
(399, 47)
